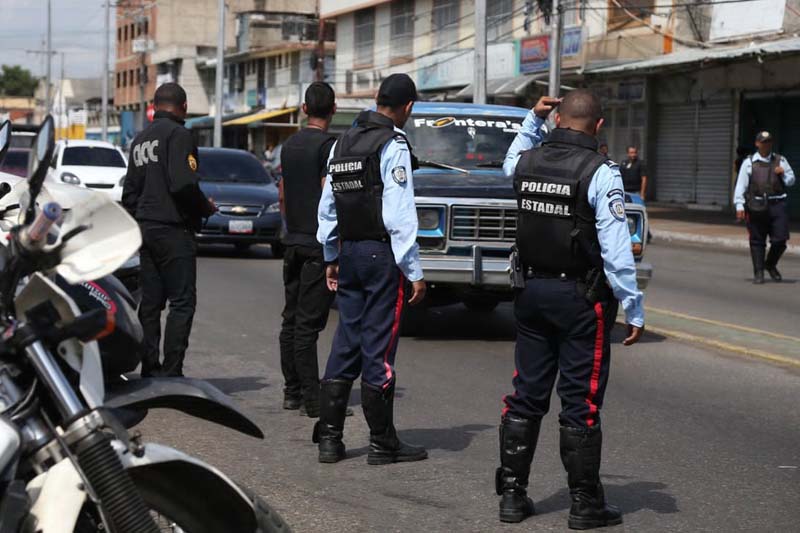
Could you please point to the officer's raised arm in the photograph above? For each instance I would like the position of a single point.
(607, 197)
(399, 209)
(327, 232)
(530, 135)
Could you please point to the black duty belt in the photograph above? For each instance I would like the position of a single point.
(535, 274)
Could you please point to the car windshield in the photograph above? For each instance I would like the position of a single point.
(92, 156)
(238, 167)
(463, 141)
(16, 162)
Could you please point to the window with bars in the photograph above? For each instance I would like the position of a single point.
(617, 16)
(365, 37)
(445, 23)
(402, 25)
(498, 19)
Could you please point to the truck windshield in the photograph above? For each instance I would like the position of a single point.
(466, 142)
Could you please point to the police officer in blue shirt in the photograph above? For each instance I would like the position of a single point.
(760, 198)
(575, 256)
(368, 227)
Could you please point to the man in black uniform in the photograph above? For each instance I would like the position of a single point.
(304, 159)
(575, 262)
(634, 174)
(161, 192)
(368, 227)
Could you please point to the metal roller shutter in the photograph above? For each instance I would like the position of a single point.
(674, 151)
(789, 147)
(714, 153)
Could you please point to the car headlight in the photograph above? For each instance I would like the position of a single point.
(274, 208)
(69, 177)
(122, 181)
(428, 218)
(633, 225)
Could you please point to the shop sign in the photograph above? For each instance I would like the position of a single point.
(534, 52)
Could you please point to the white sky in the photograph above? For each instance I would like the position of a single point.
(77, 31)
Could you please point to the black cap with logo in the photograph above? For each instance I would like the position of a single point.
(764, 137)
(397, 90)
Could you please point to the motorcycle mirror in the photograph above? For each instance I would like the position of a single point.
(5, 138)
(44, 145)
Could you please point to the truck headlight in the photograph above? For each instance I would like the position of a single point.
(69, 177)
(428, 218)
(633, 225)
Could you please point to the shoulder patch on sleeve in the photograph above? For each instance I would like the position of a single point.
(617, 208)
(400, 139)
(616, 192)
(610, 164)
(399, 175)
(192, 163)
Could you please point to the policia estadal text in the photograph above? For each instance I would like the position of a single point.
(574, 264)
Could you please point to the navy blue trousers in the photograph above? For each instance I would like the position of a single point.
(772, 223)
(559, 333)
(370, 298)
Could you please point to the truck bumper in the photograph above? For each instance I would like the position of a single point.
(489, 272)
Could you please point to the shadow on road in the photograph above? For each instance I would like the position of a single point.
(457, 323)
(630, 498)
(453, 439)
(241, 384)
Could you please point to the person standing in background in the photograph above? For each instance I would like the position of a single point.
(634, 176)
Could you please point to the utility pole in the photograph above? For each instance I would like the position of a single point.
(219, 76)
(320, 48)
(49, 54)
(479, 92)
(556, 28)
(106, 53)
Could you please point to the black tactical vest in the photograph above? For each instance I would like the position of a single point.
(355, 171)
(556, 230)
(764, 181)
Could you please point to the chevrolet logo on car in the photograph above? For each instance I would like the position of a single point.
(239, 210)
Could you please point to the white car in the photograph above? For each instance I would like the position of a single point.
(96, 165)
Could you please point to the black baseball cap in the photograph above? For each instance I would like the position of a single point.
(397, 90)
(764, 137)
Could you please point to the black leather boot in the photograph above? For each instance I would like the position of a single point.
(384, 446)
(329, 430)
(775, 252)
(518, 438)
(757, 254)
(580, 452)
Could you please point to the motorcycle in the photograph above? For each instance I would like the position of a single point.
(67, 460)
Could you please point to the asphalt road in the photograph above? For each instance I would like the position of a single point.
(695, 439)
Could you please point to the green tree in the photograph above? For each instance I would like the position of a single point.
(17, 81)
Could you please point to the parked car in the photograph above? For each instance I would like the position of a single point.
(96, 165)
(16, 162)
(247, 198)
(468, 215)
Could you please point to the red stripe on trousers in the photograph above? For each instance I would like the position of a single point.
(398, 314)
(594, 381)
(505, 398)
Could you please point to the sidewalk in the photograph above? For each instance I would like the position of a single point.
(678, 224)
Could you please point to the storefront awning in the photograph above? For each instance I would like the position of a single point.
(514, 86)
(259, 117)
(692, 56)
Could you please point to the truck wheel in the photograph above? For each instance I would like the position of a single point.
(481, 305)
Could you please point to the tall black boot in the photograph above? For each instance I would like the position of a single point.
(580, 452)
(329, 430)
(776, 250)
(757, 254)
(384, 446)
(518, 437)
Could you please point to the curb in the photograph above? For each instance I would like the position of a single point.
(723, 242)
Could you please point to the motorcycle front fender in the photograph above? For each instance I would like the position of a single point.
(194, 397)
(164, 474)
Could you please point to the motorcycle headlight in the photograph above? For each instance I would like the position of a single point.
(428, 218)
(69, 177)
(274, 208)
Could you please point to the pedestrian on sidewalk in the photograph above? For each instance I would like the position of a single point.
(368, 227)
(575, 266)
(162, 193)
(760, 200)
(634, 176)
(304, 158)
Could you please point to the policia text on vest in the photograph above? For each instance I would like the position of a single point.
(574, 265)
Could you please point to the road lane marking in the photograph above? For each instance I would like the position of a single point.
(746, 329)
(741, 350)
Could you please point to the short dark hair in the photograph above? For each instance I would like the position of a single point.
(169, 94)
(581, 108)
(320, 99)
(634, 147)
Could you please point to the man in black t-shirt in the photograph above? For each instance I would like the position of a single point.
(304, 158)
(634, 174)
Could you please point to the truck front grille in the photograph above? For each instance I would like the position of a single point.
(496, 224)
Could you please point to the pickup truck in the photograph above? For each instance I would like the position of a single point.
(467, 208)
